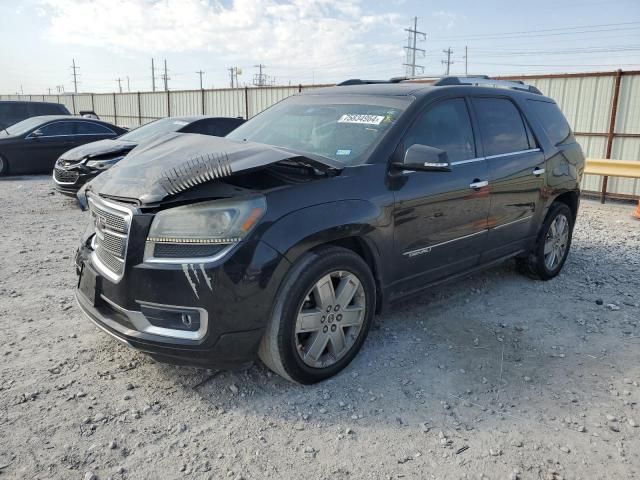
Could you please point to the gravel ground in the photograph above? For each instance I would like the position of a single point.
(496, 376)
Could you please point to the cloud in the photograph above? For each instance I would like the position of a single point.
(448, 19)
(290, 32)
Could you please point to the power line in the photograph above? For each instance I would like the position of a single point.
(75, 75)
(411, 48)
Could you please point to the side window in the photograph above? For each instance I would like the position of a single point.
(88, 128)
(57, 129)
(446, 126)
(553, 121)
(502, 126)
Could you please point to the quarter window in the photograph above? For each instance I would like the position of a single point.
(553, 121)
(446, 126)
(502, 127)
(88, 128)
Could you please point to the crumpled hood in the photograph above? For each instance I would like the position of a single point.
(178, 162)
(98, 149)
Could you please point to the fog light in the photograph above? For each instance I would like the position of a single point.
(174, 318)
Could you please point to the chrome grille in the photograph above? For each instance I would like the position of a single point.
(65, 176)
(112, 222)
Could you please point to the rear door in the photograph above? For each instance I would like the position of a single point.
(516, 175)
(87, 132)
(440, 218)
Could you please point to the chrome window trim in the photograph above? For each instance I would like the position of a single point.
(71, 135)
(509, 154)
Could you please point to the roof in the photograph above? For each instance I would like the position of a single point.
(28, 101)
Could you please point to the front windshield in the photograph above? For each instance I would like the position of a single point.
(153, 130)
(343, 128)
(24, 126)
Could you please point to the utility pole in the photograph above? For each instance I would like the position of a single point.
(153, 76)
(75, 75)
(200, 72)
(260, 79)
(412, 49)
(119, 80)
(234, 72)
(165, 77)
(466, 60)
(231, 75)
(49, 89)
(448, 61)
(128, 84)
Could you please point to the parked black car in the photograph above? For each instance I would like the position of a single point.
(284, 238)
(14, 111)
(33, 145)
(76, 167)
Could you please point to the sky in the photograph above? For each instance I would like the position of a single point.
(301, 41)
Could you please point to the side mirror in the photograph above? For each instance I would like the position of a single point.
(424, 158)
(36, 133)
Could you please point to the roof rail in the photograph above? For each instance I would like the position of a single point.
(483, 80)
(357, 81)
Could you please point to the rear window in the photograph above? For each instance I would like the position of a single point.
(553, 121)
(502, 127)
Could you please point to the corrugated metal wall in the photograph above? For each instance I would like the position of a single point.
(586, 100)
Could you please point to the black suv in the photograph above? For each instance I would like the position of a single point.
(283, 239)
(14, 111)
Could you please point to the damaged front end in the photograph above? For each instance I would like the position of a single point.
(171, 264)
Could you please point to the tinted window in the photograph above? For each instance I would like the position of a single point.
(218, 127)
(56, 129)
(14, 110)
(501, 124)
(552, 121)
(446, 126)
(88, 128)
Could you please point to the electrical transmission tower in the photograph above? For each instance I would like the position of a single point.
(448, 61)
(75, 75)
(260, 79)
(411, 48)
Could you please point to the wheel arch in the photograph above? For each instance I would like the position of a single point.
(571, 199)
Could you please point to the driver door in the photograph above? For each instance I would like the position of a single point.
(440, 218)
(44, 145)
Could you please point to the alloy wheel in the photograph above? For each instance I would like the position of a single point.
(556, 241)
(330, 319)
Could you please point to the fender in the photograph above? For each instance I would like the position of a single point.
(302, 230)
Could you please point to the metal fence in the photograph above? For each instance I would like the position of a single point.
(137, 108)
(602, 107)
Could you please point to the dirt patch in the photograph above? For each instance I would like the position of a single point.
(495, 376)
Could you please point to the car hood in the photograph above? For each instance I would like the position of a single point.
(101, 148)
(178, 162)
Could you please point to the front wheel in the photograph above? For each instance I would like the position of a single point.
(322, 316)
(552, 246)
(4, 166)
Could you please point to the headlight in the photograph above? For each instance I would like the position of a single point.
(104, 164)
(213, 223)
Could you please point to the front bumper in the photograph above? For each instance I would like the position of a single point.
(232, 307)
(69, 186)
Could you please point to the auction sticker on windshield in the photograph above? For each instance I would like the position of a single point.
(361, 118)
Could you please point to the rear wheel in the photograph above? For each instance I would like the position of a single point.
(322, 316)
(552, 246)
(4, 166)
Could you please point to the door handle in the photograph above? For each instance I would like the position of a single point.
(478, 184)
(538, 171)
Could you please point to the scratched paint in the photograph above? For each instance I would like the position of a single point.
(185, 269)
(207, 278)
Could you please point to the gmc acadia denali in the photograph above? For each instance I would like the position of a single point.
(283, 239)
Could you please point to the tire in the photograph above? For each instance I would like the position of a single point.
(307, 313)
(551, 240)
(4, 166)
